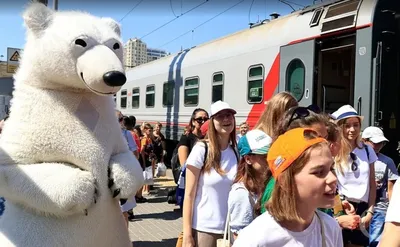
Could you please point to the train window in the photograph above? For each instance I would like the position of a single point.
(115, 98)
(168, 93)
(191, 96)
(135, 97)
(342, 8)
(218, 87)
(295, 78)
(150, 96)
(255, 84)
(123, 98)
(316, 17)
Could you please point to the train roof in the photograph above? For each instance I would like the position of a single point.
(291, 27)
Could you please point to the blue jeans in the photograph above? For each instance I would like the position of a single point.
(376, 227)
(2, 207)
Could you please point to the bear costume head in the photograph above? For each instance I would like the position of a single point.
(86, 51)
(64, 162)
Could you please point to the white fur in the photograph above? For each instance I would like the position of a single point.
(61, 137)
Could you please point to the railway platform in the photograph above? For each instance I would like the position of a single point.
(156, 223)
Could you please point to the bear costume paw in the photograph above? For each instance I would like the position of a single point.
(123, 180)
(111, 185)
(80, 202)
(49, 188)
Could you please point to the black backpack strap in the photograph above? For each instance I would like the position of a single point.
(205, 151)
(366, 150)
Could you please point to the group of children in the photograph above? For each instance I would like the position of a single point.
(299, 178)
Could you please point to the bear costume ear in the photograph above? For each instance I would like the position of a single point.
(37, 17)
(113, 24)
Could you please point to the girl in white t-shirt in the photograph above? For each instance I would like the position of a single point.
(355, 171)
(250, 181)
(208, 182)
(302, 166)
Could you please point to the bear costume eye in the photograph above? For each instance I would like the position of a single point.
(80, 42)
(116, 46)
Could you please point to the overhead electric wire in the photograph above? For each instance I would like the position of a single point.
(251, 5)
(290, 2)
(184, 13)
(134, 7)
(172, 8)
(300, 5)
(201, 24)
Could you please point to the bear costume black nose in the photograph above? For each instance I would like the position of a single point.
(114, 78)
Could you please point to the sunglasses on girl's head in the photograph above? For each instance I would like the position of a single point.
(314, 108)
(201, 120)
(354, 165)
(302, 112)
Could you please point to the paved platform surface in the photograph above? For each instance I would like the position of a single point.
(156, 223)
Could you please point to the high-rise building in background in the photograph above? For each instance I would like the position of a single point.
(137, 53)
(154, 54)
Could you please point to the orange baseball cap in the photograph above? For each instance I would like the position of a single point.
(287, 148)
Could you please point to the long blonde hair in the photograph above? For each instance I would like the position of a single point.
(342, 159)
(274, 110)
(214, 150)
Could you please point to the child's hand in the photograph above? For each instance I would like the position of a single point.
(348, 208)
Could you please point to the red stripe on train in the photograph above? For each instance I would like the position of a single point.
(270, 84)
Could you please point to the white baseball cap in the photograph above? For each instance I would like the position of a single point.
(254, 142)
(374, 134)
(346, 111)
(220, 106)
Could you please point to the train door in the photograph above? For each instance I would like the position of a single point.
(336, 67)
(386, 77)
(297, 70)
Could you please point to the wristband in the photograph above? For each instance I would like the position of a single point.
(369, 211)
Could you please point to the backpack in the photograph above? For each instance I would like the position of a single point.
(175, 165)
(180, 189)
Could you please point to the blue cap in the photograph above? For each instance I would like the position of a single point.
(254, 142)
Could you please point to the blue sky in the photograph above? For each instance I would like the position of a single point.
(150, 14)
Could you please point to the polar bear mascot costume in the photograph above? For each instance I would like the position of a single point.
(64, 164)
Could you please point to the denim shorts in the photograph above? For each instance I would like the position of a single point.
(376, 227)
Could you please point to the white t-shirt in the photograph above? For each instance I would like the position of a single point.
(241, 207)
(355, 184)
(265, 231)
(392, 214)
(211, 202)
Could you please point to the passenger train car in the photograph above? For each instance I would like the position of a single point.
(330, 54)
